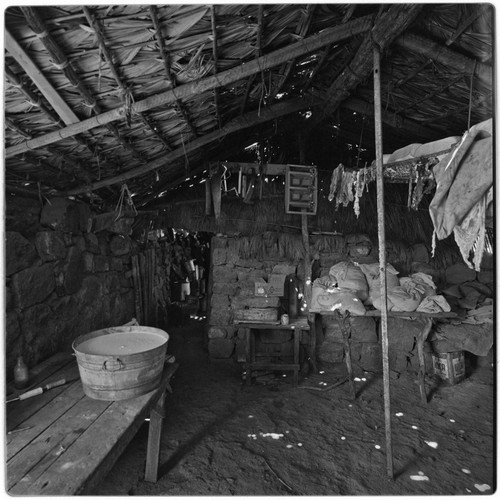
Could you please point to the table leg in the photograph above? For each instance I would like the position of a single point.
(248, 355)
(296, 344)
(345, 327)
(312, 341)
(154, 440)
(422, 336)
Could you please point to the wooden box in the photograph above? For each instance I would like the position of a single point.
(256, 315)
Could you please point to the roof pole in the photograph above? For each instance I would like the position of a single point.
(382, 262)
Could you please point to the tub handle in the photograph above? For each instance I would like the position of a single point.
(121, 365)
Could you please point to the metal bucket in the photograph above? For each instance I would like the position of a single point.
(121, 362)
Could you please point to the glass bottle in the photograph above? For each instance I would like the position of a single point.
(21, 374)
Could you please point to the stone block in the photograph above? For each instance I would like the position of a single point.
(220, 317)
(103, 242)
(19, 253)
(119, 245)
(331, 352)
(50, 245)
(32, 286)
(220, 348)
(363, 329)
(245, 274)
(116, 264)
(240, 350)
(12, 330)
(249, 263)
(22, 215)
(88, 262)
(102, 264)
(65, 215)
(73, 270)
(79, 242)
(219, 256)
(223, 274)
(218, 242)
(219, 301)
(284, 269)
(225, 288)
(371, 357)
(258, 302)
(92, 243)
(41, 339)
(216, 332)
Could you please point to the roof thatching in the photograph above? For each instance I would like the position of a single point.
(102, 95)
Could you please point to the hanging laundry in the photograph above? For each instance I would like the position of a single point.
(335, 182)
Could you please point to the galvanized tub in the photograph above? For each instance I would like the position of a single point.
(121, 362)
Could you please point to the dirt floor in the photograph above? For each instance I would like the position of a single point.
(223, 438)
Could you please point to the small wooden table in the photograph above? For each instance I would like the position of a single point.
(251, 364)
(64, 443)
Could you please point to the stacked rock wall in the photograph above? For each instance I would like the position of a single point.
(62, 280)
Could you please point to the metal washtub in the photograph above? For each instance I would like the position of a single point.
(121, 362)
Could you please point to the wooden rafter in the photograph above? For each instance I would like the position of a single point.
(258, 52)
(388, 26)
(98, 31)
(179, 106)
(33, 99)
(240, 123)
(440, 53)
(60, 61)
(216, 61)
(301, 31)
(64, 112)
(465, 23)
(297, 49)
(394, 120)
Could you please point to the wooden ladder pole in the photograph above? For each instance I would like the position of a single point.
(382, 261)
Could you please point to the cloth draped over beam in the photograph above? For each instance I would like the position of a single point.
(464, 189)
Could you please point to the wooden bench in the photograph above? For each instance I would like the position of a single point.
(64, 443)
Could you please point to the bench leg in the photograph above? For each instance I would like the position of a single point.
(154, 440)
(296, 347)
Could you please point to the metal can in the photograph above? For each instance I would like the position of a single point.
(285, 319)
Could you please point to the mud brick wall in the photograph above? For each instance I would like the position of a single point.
(62, 280)
(232, 286)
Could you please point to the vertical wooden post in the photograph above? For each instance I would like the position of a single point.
(382, 261)
(344, 322)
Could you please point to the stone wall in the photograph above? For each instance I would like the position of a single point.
(62, 280)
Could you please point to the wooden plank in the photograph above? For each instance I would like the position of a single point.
(80, 464)
(298, 49)
(258, 365)
(32, 461)
(38, 422)
(43, 85)
(19, 411)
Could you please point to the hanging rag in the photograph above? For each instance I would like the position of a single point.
(470, 234)
(335, 182)
(462, 178)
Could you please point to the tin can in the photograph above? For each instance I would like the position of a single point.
(285, 319)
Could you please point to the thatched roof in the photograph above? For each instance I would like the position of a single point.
(102, 95)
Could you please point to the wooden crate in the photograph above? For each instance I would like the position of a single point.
(256, 315)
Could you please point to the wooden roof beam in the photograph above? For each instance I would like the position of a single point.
(301, 31)
(179, 106)
(297, 49)
(215, 54)
(440, 53)
(394, 120)
(96, 26)
(258, 50)
(465, 23)
(388, 26)
(240, 123)
(60, 61)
